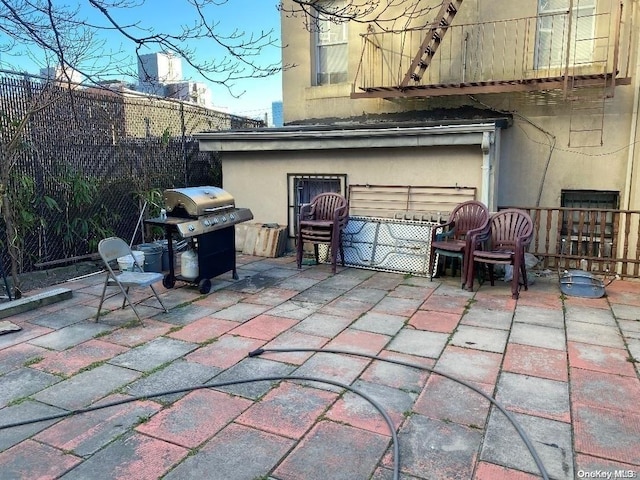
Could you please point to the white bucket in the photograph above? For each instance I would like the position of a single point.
(126, 263)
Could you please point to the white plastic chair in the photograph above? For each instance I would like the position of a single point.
(111, 249)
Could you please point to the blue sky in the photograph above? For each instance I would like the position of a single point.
(168, 15)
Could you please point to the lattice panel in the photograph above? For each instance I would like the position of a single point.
(392, 245)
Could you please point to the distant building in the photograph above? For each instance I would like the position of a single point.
(160, 74)
(61, 75)
(276, 114)
(192, 92)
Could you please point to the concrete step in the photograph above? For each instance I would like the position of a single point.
(32, 302)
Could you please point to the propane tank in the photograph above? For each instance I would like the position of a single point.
(189, 264)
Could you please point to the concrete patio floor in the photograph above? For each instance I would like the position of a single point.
(566, 368)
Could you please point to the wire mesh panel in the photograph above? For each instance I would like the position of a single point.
(392, 245)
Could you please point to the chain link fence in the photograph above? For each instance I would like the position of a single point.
(79, 165)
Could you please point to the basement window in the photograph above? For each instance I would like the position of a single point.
(303, 188)
(588, 229)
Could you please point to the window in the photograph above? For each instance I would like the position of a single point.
(331, 52)
(556, 35)
(302, 189)
(588, 232)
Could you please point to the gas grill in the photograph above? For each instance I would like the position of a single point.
(206, 217)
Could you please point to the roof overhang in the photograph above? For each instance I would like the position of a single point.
(331, 138)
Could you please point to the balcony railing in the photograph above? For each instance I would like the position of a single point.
(609, 240)
(556, 51)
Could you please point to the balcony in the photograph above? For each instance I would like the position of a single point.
(552, 52)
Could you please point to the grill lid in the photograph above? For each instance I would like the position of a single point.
(197, 201)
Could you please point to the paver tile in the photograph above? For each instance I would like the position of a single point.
(220, 299)
(130, 456)
(437, 450)
(323, 325)
(85, 434)
(600, 358)
(318, 295)
(23, 382)
(607, 433)
(252, 368)
(153, 354)
(31, 459)
(195, 418)
(487, 339)
(86, 387)
(552, 440)
(586, 464)
(358, 341)
(382, 281)
(241, 312)
(468, 364)
(345, 307)
(534, 396)
(22, 412)
(137, 334)
(536, 361)
(626, 312)
(323, 450)
(434, 321)
(605, 335)
(294, 309)
(490, 471)
(580, 313)
(605, 390)
(264, 327)
(367, 295)
(382, 323)
(537, 336)
(398, 376)
(74, 359)
(17, 355)
(288, 410)
(541, 300)
(293, 339)
(489, 301)
(28, 332)
(225, 352)
(445, 303)
(203, 330)
(411, 291)
(175, 376)
(449, 401)
(60, 319)
(236, 453)
(69, 336)
(356, 411)
(271, 296)
(419, 342)
(484, 317)
(544, 317)
(328, 366)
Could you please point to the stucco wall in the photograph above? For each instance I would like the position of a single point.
(259, 180)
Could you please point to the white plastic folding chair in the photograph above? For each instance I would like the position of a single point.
(112, 248)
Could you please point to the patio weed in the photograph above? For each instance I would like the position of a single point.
(102, 334)
(141, 419)
(176, 328)
(32, 361)
(91, 366)
(17, 401)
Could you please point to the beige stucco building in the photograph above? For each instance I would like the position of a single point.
(531, 103)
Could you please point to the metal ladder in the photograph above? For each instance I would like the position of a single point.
(432, 41)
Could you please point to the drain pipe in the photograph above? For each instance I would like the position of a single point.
(486, 196)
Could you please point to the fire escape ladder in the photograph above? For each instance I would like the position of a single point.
(432, 41)
(587, 103)
(587, 112)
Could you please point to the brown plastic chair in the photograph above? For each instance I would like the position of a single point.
(322, 222)
(452, 239)
(505, 240)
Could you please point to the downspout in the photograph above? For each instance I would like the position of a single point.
(633, 134)
(486, 197)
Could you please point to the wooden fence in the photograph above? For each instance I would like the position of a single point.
(609, 240)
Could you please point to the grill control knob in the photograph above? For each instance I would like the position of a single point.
(191, 228)
(216, 220)
(232, 216)
(224, 219)
(206, 222)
